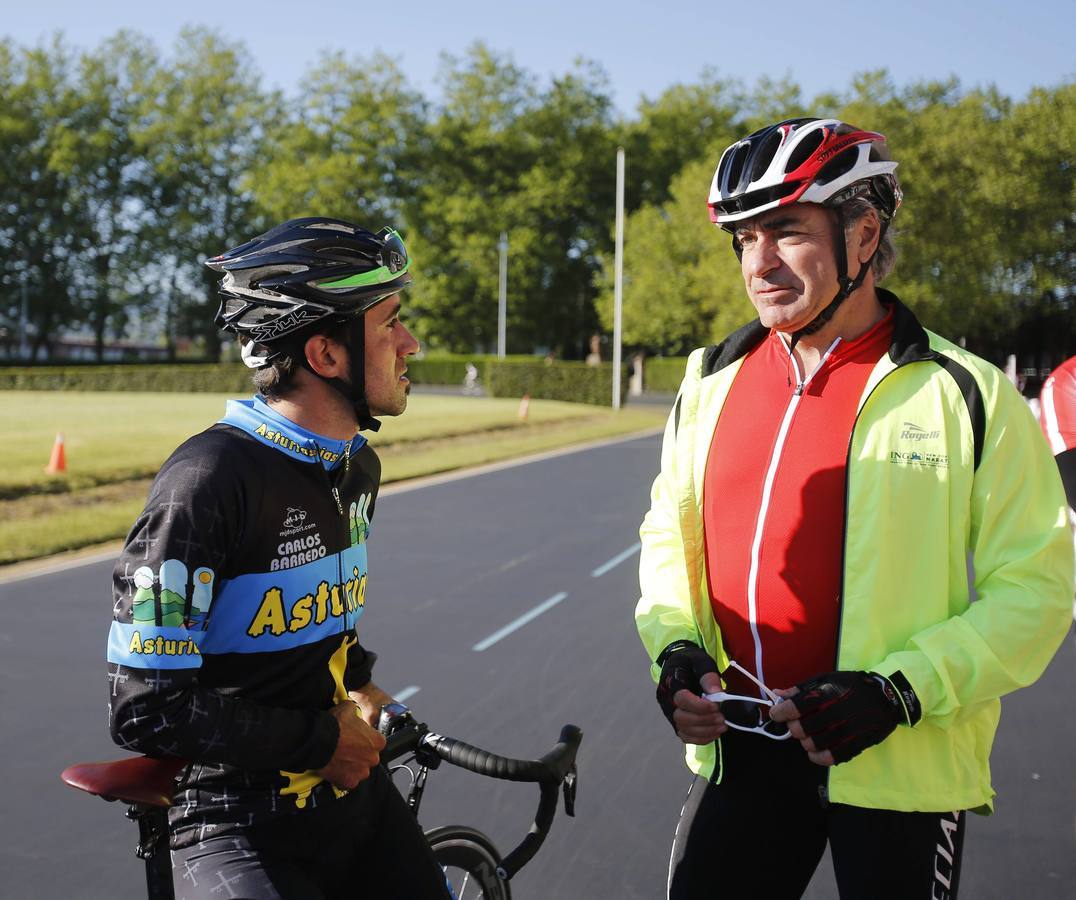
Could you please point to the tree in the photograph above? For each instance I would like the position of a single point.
(538, 164)
(202, 128)
(684, 124)
(93, 151)
(682, 283)
(352, 146)
(39, 241)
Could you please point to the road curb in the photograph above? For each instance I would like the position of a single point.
(85, 556)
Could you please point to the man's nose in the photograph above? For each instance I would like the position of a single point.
(761, 257)
(409, 345)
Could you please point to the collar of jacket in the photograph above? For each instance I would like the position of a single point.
(910, 342)
(258, 419)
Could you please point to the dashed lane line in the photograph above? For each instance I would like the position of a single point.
(616, 560)
(546, 605)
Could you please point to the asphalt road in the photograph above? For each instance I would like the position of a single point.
(452, 565)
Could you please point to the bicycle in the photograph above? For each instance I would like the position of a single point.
(472, 864)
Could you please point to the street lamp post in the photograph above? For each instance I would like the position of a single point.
(502, 296)
(618, 275)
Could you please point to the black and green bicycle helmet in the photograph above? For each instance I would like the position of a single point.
(279, 288)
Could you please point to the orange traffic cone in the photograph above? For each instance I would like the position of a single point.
(57, 461)
(524, 407)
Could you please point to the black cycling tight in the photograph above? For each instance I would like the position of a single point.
(365, 845)
(763, 830)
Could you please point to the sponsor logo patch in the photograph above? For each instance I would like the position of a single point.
(913, 432)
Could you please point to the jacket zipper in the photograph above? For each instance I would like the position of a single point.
(335, 491)
(767, 487)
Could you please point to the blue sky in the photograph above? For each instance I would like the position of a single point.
(642, 47)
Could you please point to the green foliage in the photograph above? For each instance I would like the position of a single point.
(686, 123)
(40, 243)
(663, 374)
(441, 368)
(985, 236)
(201, 130)
(122, 168)
(190, 378)
(682, 284)
(573, 381)
(507, 155)
(351, 146)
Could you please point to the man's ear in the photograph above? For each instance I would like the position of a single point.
(326, 357)
(869, 232)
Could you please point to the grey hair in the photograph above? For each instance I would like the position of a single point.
(886, 257)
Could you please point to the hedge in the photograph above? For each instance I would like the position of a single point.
(228, 378)
(510, 377)
(663, 374)
(573, 381)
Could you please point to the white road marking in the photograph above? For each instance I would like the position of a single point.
(406, 694)
(519, 623)
(616, 560)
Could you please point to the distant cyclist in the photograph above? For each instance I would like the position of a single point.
(1057, 415)
(236, 596)
(826, 472)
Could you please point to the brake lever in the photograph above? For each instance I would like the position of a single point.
(569, 785)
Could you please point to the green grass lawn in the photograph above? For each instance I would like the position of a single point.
(115, 441)
(117, 436)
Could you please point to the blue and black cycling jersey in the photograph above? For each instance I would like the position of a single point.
(235, 602)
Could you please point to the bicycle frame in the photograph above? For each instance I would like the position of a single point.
(147, 785)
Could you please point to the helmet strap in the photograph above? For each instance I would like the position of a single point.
(352, 389)
(846, 286)
(356, 389)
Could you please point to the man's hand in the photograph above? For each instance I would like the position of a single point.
(370, 698)
(837, 716)
(357, 751)
(686, 672)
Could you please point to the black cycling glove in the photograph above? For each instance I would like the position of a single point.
(682, 666)
(847, 712)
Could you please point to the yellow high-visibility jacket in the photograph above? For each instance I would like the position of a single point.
(958, 559)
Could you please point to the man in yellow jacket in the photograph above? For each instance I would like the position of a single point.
(857, 543)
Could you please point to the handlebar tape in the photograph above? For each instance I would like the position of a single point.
(550, 768)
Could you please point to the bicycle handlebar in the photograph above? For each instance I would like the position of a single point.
(555, 768)
(551, 767)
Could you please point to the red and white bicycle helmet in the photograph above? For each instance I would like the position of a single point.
(807, 160)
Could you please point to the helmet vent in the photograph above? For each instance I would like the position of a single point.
(811, 142)
(736, 164)
(755, 199)
(879, 152)
(841, 164)
(766, 152)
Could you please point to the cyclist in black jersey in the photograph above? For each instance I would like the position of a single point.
(236, 597)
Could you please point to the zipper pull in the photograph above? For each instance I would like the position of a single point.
(336, 497)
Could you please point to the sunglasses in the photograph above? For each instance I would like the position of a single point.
(750, 713)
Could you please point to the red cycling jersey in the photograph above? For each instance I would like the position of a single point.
(1057, 407)
(773, 507)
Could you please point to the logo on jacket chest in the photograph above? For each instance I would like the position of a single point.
(276, 616)
(924, 449)
(300, 541)
(913, 432)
